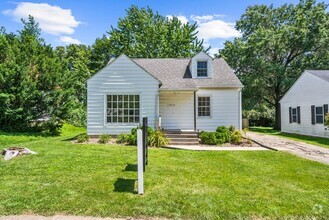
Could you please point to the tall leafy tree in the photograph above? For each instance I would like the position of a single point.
(75, 60)
(30, 81)
(276, 46)
(145, 33)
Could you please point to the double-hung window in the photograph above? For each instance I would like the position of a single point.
(294, 114)
(204, 106)
(202, 69)
(319, 115)
(123, 109)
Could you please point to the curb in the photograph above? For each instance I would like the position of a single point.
(270, 148)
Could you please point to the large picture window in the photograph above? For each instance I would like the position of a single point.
(204, 106)
(202, 69)
(123, 109)
(319, 115)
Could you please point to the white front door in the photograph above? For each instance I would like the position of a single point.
(177, 110)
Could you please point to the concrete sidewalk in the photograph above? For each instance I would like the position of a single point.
(215, 148)
(301, 149)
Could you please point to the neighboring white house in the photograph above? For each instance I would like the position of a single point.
(304, 106)
(194, 94)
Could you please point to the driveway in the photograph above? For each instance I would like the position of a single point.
(298, 148)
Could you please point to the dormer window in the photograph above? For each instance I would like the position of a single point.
(202, 70)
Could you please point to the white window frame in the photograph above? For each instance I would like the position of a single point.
(210, 104)
(206, 61)
(122, 123)
(316, 115)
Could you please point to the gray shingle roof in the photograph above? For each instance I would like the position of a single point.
(323, 74)
(175, 74)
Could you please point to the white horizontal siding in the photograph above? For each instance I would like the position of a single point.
(309, 90)
(177, 110)
(224, 104)
(122, 76)
(194, 64)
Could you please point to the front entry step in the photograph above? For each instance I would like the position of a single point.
(179, 137)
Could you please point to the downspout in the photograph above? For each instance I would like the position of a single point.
(240, 109)
(194, 95)
(157, 125)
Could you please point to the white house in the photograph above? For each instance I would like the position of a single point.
(194, 94)
(304, 106)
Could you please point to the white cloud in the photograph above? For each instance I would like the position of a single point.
(202, 18)
(211, 26)
(182, 18)
(213, 51)
(52, 19)
(69, 40)
(216, 28)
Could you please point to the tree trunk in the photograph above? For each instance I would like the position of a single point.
(277, 121)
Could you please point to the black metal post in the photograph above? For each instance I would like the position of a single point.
(145, 148)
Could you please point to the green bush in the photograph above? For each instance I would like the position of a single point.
(82, 138)
(52, 127)
(122, 138)
(236, 137)
(132, 139)
(209, 138)
(104, 139)
(158, 139)
(222, 129)
(326, 120)
(221, 136)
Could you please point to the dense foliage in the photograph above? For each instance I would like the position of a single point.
(221, 135)
(145, 33)
(276, 46)
(41, 86)
(260, 115)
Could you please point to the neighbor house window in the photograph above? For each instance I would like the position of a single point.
(319, 115)
(123, 109)
(202, 69)
(204, 106)
(294, 115)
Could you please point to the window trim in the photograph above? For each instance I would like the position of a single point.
(316, 115)
(210, 104)
(294, 115)
(122, 123)
(207, 69)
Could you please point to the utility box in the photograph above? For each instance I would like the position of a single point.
(245, 123)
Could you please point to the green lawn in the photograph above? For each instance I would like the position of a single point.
(322, 142)
(99, 180)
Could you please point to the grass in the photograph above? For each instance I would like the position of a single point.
(319, 141)
(100, 180)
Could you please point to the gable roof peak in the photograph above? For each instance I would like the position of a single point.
(322, 74)
(202, 52)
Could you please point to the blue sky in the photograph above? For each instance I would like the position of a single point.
(82, 21)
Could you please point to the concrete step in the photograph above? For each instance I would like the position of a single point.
(184, 143)
(179, 132)
(184, 139)
(181, 135)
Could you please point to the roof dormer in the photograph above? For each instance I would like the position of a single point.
(201, 66)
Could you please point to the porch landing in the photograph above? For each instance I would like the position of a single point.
(218, 148)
